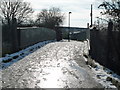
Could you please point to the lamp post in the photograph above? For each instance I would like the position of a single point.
(91, 15)
(69, 27)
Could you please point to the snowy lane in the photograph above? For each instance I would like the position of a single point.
(52, 66)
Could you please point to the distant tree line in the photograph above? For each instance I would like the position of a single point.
(50, 18)
(22, 11)
(15, 9)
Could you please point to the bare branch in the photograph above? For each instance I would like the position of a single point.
(15, 9)
(50, 18)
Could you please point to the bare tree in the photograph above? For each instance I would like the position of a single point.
(15, 9)
(112, 9)
(50, 18)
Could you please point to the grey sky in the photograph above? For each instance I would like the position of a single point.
(80, 9)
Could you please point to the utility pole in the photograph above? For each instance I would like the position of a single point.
(69, 26)
(91, 15)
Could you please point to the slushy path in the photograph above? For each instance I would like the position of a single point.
(56, 65)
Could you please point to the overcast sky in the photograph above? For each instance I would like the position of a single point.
(80, 9)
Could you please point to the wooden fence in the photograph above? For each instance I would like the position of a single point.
(15, 39)
(105, 47)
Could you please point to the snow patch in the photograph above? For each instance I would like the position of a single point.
(11, 58)
(101, 75)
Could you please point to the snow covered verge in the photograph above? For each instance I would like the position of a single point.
(9, 59)
(103, 75)
(12, 58)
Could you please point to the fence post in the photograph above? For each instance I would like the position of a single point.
(0, 37)
(58, 34)
(14, 35)
(0, 49)
(119, 39)
(109, 40)
(88, 25)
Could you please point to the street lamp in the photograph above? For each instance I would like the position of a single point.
(69, 27)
